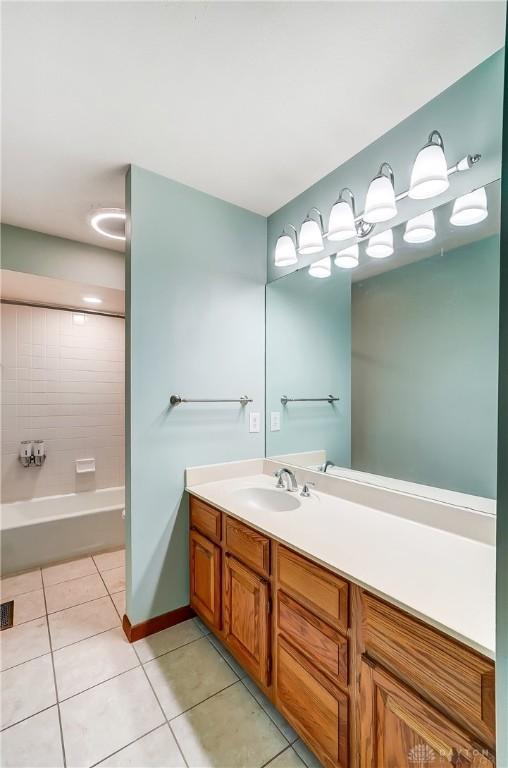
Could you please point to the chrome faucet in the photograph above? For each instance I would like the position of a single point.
(291, 485)
(325, 466)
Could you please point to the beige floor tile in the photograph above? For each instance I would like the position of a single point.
(279, 720)
(92, 661)
(167, 640)
(308, 757)
(81, 621)
(74, 592)
(188, 675)
(29, 606)
(107, 718)
(237, 669)
(201, 625)
(11, 586)
(155, 750)
(227, 731)
(26, 690)
(74, 569)
(114, 579)
(24, 642)
(108, 560)
(287, 759)
(34, 743)
(119, 601)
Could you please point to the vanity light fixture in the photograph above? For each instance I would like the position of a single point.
(311, 234)
(470, 209)
(100, 218)
(321, 268)
(380, 203)
(341, 225)
(429, 176)
(285, 248)
(348, 257)
(380, 246)
(420, 229)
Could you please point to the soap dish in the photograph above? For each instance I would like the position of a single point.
(85, 465)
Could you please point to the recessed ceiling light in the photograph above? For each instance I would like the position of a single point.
(109, 222)
(92, 299)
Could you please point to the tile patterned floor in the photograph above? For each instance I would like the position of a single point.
(75, 693)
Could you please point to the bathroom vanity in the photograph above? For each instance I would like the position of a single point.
(361, 681)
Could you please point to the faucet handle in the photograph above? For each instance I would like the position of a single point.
(280, 481)
(306, 490)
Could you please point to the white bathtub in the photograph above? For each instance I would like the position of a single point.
(52, 528)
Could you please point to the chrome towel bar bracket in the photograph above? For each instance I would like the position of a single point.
(330, 399)
(178, 400)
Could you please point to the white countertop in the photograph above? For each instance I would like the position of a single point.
(440, 576)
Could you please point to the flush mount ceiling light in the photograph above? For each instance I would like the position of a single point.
(421, 229)
(311, 234)
(470, 209)
(380, 246)
(109, 222)
(348, 257)
(321, 268)
(285, 249)
(380, 203)
(92, 299)
(341, 225)
(429, 176)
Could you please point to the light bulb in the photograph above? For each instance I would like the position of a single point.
(285, 251)
(311, 238)
(380, 246)
(321, 268)
(342, 221)
(421, 229)
(348, 257)
(470, 209)
(380, 202)
(429, 176)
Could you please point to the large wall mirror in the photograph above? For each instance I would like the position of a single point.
(409, 346)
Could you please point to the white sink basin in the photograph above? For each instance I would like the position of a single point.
(267, 498)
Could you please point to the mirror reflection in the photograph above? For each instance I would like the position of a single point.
(382, 363)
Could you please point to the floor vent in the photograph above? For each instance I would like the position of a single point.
(7, 614)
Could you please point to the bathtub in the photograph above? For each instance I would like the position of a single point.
(53, 528)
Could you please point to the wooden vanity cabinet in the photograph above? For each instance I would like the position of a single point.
(205, 578)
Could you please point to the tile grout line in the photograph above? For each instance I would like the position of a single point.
(54, 679)
(152, 730)
(268, 714)
(278, 755)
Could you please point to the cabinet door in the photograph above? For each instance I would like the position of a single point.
(205, 592)
(246, 618)
(398, 729)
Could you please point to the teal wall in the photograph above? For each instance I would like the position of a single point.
(308, 354)
(196, 273)
(469, 116)
(424, 370)
(24, 250)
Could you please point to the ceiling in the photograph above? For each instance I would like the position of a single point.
(249, 101)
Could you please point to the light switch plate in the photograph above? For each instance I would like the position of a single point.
(275, 421)
(254, 422)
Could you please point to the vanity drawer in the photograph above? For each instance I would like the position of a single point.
(312, 705)
(317, 589)
(326, 647)
(443, 670)
(248, 545)
(205, 518)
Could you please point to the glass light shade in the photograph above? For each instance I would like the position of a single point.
(311, 239)
(348, 257)
(421, 229)
(470, 209)
(380, 202)
(429, 176)
(285, 251)
(321, 268)
(380, 246)
(342, 222)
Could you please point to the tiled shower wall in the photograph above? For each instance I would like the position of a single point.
(62, 382)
